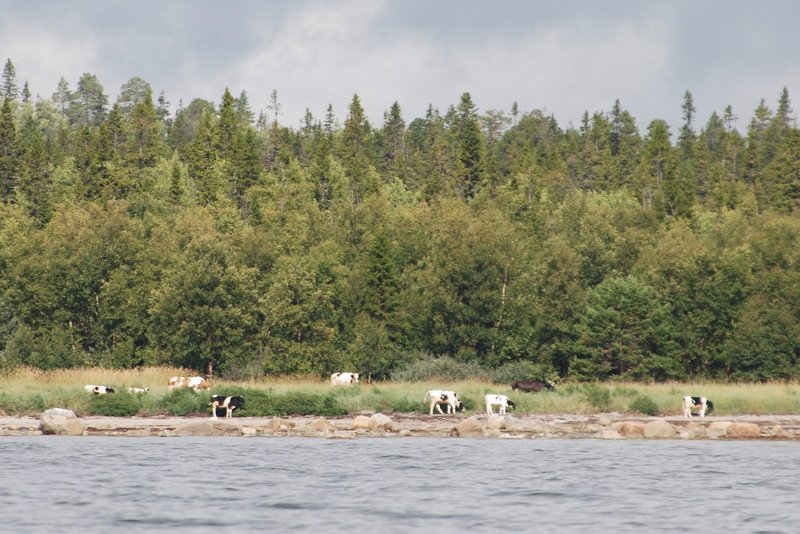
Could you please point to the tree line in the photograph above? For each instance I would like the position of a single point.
(215, 237)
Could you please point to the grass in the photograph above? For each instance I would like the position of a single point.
(27, 391)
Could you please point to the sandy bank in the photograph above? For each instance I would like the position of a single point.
(602, 426)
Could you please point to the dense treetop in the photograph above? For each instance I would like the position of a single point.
(131, 235)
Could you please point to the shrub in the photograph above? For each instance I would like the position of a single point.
(184, 402)
(27, 404)
(115, 405)
(597, 396)
(644, 405)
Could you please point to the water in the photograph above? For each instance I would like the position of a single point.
(208, 484)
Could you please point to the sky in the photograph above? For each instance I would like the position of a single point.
(564, 57)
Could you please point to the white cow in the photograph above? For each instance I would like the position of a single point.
(500, 400)
(194, 382)
(701, 404)
(344, 379)
(446, 397)
(132, 389)
(98, 390)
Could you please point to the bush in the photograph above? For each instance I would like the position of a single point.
(115, 405)
(433, 368)
(597, 396)
(644, 405)
(12, 404)
(184, 402)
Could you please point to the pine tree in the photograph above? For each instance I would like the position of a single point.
(687, 136)
(470, 148)
(9, 89)
(146, 141)
(354, 151)
(393, 142)
(9, 153)
(63, 96)
(202, 158)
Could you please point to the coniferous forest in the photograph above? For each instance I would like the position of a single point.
(211, 234)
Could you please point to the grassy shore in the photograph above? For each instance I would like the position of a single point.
(30, 391)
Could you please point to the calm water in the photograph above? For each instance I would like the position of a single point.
(95, 484)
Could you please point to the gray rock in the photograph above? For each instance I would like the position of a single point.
(469, 427)
(744, 431)
(361, 422)
(496, 422)
(60, 421)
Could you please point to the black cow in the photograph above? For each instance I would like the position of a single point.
(532, 386)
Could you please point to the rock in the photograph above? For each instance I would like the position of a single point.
(659, 429)
(604, 420)
(496, 422)
(744, 431)
(609, 434)
(282, 424)
(60, 421)
(361, 422)
(321, 424)
(208, 428)
(380, 422)
(249, 431)
(631, 429)
(469, 427)
(718, 429)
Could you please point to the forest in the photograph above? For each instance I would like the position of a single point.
(216, 237)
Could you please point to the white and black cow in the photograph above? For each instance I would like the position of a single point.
(701, 404)
(229, 403)
(446, 397)
(98, 390)
(498, 400)
(344, 379)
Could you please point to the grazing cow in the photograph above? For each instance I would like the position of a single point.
(137, 390)
(194, 382)
(98, 390)
(701, 404)
(229, 403)
(448, 398)
(344, 379)
(500, 400)
(532, 386)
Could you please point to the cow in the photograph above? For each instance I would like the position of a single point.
(132, 389)
(701, 404)
(448, 398)
(344, 379)
(194, 382)
(229, 403)
(501, 400)
(98, 390)
(532, 386)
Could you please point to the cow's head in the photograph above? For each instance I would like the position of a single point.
(511, 405)
(709, 406)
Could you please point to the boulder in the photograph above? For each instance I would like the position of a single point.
(659, 429)
(60, 421)
(631, 429)
(718, 429)
(380, 422)
(469, 427)
(744, 431)
(604, 420)
(496, 422)
(361, 422)
(249, 431)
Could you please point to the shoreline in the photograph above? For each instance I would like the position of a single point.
(372, 425)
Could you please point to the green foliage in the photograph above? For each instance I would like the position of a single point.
(119, 404)
(433, 368)
(597, 396)
(184, 402)
(644, 405)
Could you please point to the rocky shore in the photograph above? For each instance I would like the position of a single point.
(511, 426)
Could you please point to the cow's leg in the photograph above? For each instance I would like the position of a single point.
(488, 409)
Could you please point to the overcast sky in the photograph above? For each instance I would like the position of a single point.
(564, 57)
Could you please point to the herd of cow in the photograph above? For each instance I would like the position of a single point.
(437, 397)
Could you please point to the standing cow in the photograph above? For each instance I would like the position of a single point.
(701, 404)
(532, 386)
